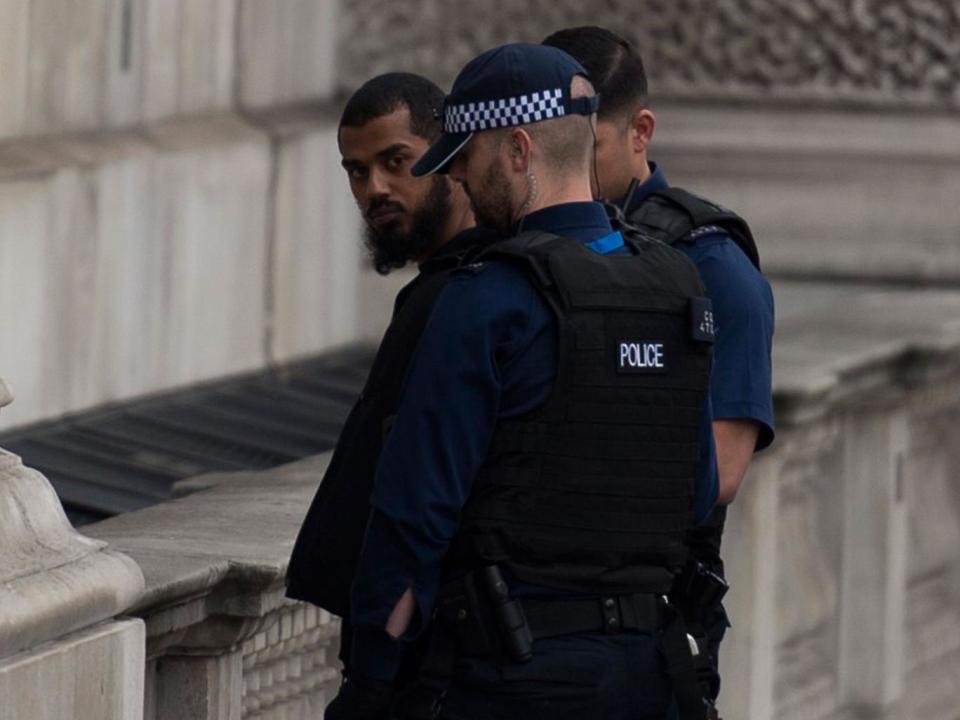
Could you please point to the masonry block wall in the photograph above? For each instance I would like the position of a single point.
(171, 203)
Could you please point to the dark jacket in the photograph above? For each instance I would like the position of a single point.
(324, 558)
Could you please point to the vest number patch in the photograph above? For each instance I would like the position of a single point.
(702, 326)
(641, 357)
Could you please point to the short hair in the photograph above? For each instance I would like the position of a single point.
(613, 64)
(388, 93)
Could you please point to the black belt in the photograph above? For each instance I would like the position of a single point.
(610, 614)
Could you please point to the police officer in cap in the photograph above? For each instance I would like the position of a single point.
(552, 443)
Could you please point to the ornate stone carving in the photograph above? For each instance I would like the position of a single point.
(896, 52)
(53, 580)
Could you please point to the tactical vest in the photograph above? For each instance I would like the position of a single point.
(593, 490)
(325, 556)
(676, 215)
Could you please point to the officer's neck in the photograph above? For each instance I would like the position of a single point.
(564, 190)
(641, 167)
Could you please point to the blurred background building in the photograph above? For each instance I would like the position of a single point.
(175, 232)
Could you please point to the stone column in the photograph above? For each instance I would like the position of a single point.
(874, 560)
(748, 656)
(199, 687)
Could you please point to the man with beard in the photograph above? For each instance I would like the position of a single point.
(385, 127)
(721, 245)
(552, 442)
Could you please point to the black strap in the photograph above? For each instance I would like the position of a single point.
(584, 105)
(675, 646)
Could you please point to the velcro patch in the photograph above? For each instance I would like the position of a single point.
(641, 356)
(702, 327)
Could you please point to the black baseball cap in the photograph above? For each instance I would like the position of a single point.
(514, 84)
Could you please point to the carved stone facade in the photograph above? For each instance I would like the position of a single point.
(847, 52)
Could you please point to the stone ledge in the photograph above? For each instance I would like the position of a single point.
(829, 194)
(31, 157)
(853, 344)
(740, 130)
(197, 572)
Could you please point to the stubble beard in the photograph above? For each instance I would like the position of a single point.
(491, 202)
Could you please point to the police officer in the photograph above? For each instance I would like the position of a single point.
(552, 443)
(721, 245)
(385, 127)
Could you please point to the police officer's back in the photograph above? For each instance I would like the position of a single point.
(552, 443)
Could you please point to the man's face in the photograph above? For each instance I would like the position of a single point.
(614, 153)
(404, 215)
(481, 168)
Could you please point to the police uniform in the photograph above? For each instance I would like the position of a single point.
(722, 246)
(551, 447)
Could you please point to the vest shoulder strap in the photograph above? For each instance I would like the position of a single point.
(528, 249)
(569, 275)
(677, 215)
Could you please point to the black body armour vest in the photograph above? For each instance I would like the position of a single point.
(676, 215)
(593, 491)
(672, 216)
(324, 559)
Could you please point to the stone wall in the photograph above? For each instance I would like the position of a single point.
(171, 206)
(830, 125)
(885, 53)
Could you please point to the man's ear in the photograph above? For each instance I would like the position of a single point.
(640, 129)
(519, 150)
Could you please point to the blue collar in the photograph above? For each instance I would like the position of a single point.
(639, 192)
(583, 221)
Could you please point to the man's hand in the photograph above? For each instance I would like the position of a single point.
(361, 698)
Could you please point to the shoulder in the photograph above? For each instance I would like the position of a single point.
(726, 270)
(484, 294)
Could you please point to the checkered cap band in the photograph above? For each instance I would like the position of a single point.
(506, 112)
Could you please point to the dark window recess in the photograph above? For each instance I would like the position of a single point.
(126, 456)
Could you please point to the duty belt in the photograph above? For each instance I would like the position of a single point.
(476, 615)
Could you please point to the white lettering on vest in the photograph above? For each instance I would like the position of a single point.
(641, 356)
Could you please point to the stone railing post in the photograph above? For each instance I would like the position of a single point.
(63, 653)
(874, 560)
(749, 655)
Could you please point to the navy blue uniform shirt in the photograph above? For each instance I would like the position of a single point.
(741, 379)
(488, 352)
